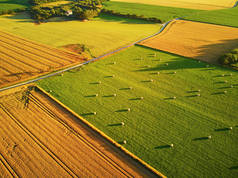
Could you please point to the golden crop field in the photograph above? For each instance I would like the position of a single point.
(22, 59)
(195, 40)
(191, 4)
(41, 138)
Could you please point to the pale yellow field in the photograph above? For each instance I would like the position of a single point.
(191, 4)
(195, 40)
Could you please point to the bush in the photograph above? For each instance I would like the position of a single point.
(229, 58)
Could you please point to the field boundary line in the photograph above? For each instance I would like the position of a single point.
(143, 163)
(81, 138)
(8, 166)
(39, 143)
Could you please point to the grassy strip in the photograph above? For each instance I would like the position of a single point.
(226, 17)
(149, 11)
(182, 105)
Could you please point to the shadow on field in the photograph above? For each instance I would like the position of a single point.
(222, 129)
(162, 147)
(21, 2)
(112, 18)
(113, 125)
(211, 52)
(233, 167)
(200, 138)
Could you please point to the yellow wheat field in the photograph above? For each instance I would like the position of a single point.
(191, 4)
(22, 59)
(195, 40)
(39, 138)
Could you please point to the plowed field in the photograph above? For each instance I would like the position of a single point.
(196, 40)
(22, 59)
(43, 139)
(195, 4)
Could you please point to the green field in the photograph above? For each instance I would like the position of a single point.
(194, 4)
(158, 119)
(102, 34)
(161, 12)
(221, 17)
(13, 4)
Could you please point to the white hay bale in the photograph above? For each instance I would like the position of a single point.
(94, 113)
(171, 145)
(166, 64)
(222, 75)
(51, 91)
(130, 88)
(225, 81)
(175, 72)
(158, 73)
(174, 97)
(114, 94)
(129, 109)
(99, 82)
(151, 80)
(141, 97)
(96, 95)
(225, 92)
(209, 137)
(230, 128)
(122, 123)
(124, 142)
(198, 90)
(114, 62)
(199, 94)
(231, 86)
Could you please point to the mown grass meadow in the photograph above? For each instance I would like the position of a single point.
(183, 104)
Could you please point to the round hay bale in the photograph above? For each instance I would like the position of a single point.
(209, 137)
(122, 123)
(124, 142)
(171, 145)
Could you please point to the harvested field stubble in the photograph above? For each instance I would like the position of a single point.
(22, 59)
(56, 142)
(196, 40)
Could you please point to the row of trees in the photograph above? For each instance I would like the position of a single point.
(132, 16)
(81, 9)
(229, 58)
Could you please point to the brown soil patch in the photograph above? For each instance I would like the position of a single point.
(195, 40)
(22, 59)
(45, 140)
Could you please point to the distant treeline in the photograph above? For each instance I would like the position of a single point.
(132, 16)
(229, 58)
(80, 9)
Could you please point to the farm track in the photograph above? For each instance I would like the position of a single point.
(89, 145)
(37, 141)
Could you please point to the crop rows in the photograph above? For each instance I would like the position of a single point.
(22, 59)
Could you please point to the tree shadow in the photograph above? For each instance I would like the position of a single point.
(90, 96)
(162, 147)
(124, 20)
(134, 99)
